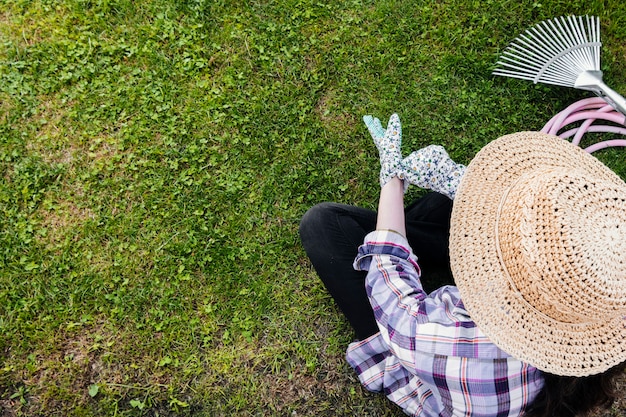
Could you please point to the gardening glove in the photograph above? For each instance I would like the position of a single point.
(432, 168)
(388, 143)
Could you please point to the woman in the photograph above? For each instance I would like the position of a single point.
(535, 324)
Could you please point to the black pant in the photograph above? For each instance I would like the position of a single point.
(331, 234)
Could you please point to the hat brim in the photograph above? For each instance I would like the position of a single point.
(498, 310)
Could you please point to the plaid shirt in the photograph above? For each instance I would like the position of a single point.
(429, 357)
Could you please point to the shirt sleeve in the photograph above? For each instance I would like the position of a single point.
(407, 317)
(429, 357)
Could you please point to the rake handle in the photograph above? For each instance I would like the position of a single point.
(592, 81)
(613, 98)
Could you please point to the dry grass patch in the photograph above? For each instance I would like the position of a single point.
(6, 105)
(49, 379)
(57, 141)
(62, 216)
(27, 26)
(86, 355)
(52, 142)
(328, 109)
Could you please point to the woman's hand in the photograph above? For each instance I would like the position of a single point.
(388, 144)
(432, 168)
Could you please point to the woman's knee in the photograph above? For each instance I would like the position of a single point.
(315, 219)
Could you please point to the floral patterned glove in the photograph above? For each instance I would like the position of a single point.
(388, 143)
(432, 168)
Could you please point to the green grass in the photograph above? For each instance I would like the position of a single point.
(156, 157)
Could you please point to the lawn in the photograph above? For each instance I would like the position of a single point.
(156, 157)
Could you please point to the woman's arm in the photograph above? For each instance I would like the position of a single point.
(391, 207)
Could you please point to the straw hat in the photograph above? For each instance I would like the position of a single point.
(538, 252)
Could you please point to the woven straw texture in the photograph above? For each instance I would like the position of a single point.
(538, 252)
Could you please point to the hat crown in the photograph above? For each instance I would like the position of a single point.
(537, 249)
(562, 244)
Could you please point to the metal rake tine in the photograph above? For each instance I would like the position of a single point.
(562, 43)
(532, 47)
(576, 28)
(518, 65)
(513, 75)
(593, 31)
(544, 42)
(554, 45)
(569, 53)
(571, 40)
(540, 64)
(530, 76)
(566, 34)
(528, 64)
(532, 52)
(516, 74)
(547, 32)
(529, 56)
(582, 33)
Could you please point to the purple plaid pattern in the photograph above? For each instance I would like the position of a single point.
(429, 357)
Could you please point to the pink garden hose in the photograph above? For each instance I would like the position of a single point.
(588, 111)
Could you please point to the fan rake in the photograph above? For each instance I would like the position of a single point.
(562, 51)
